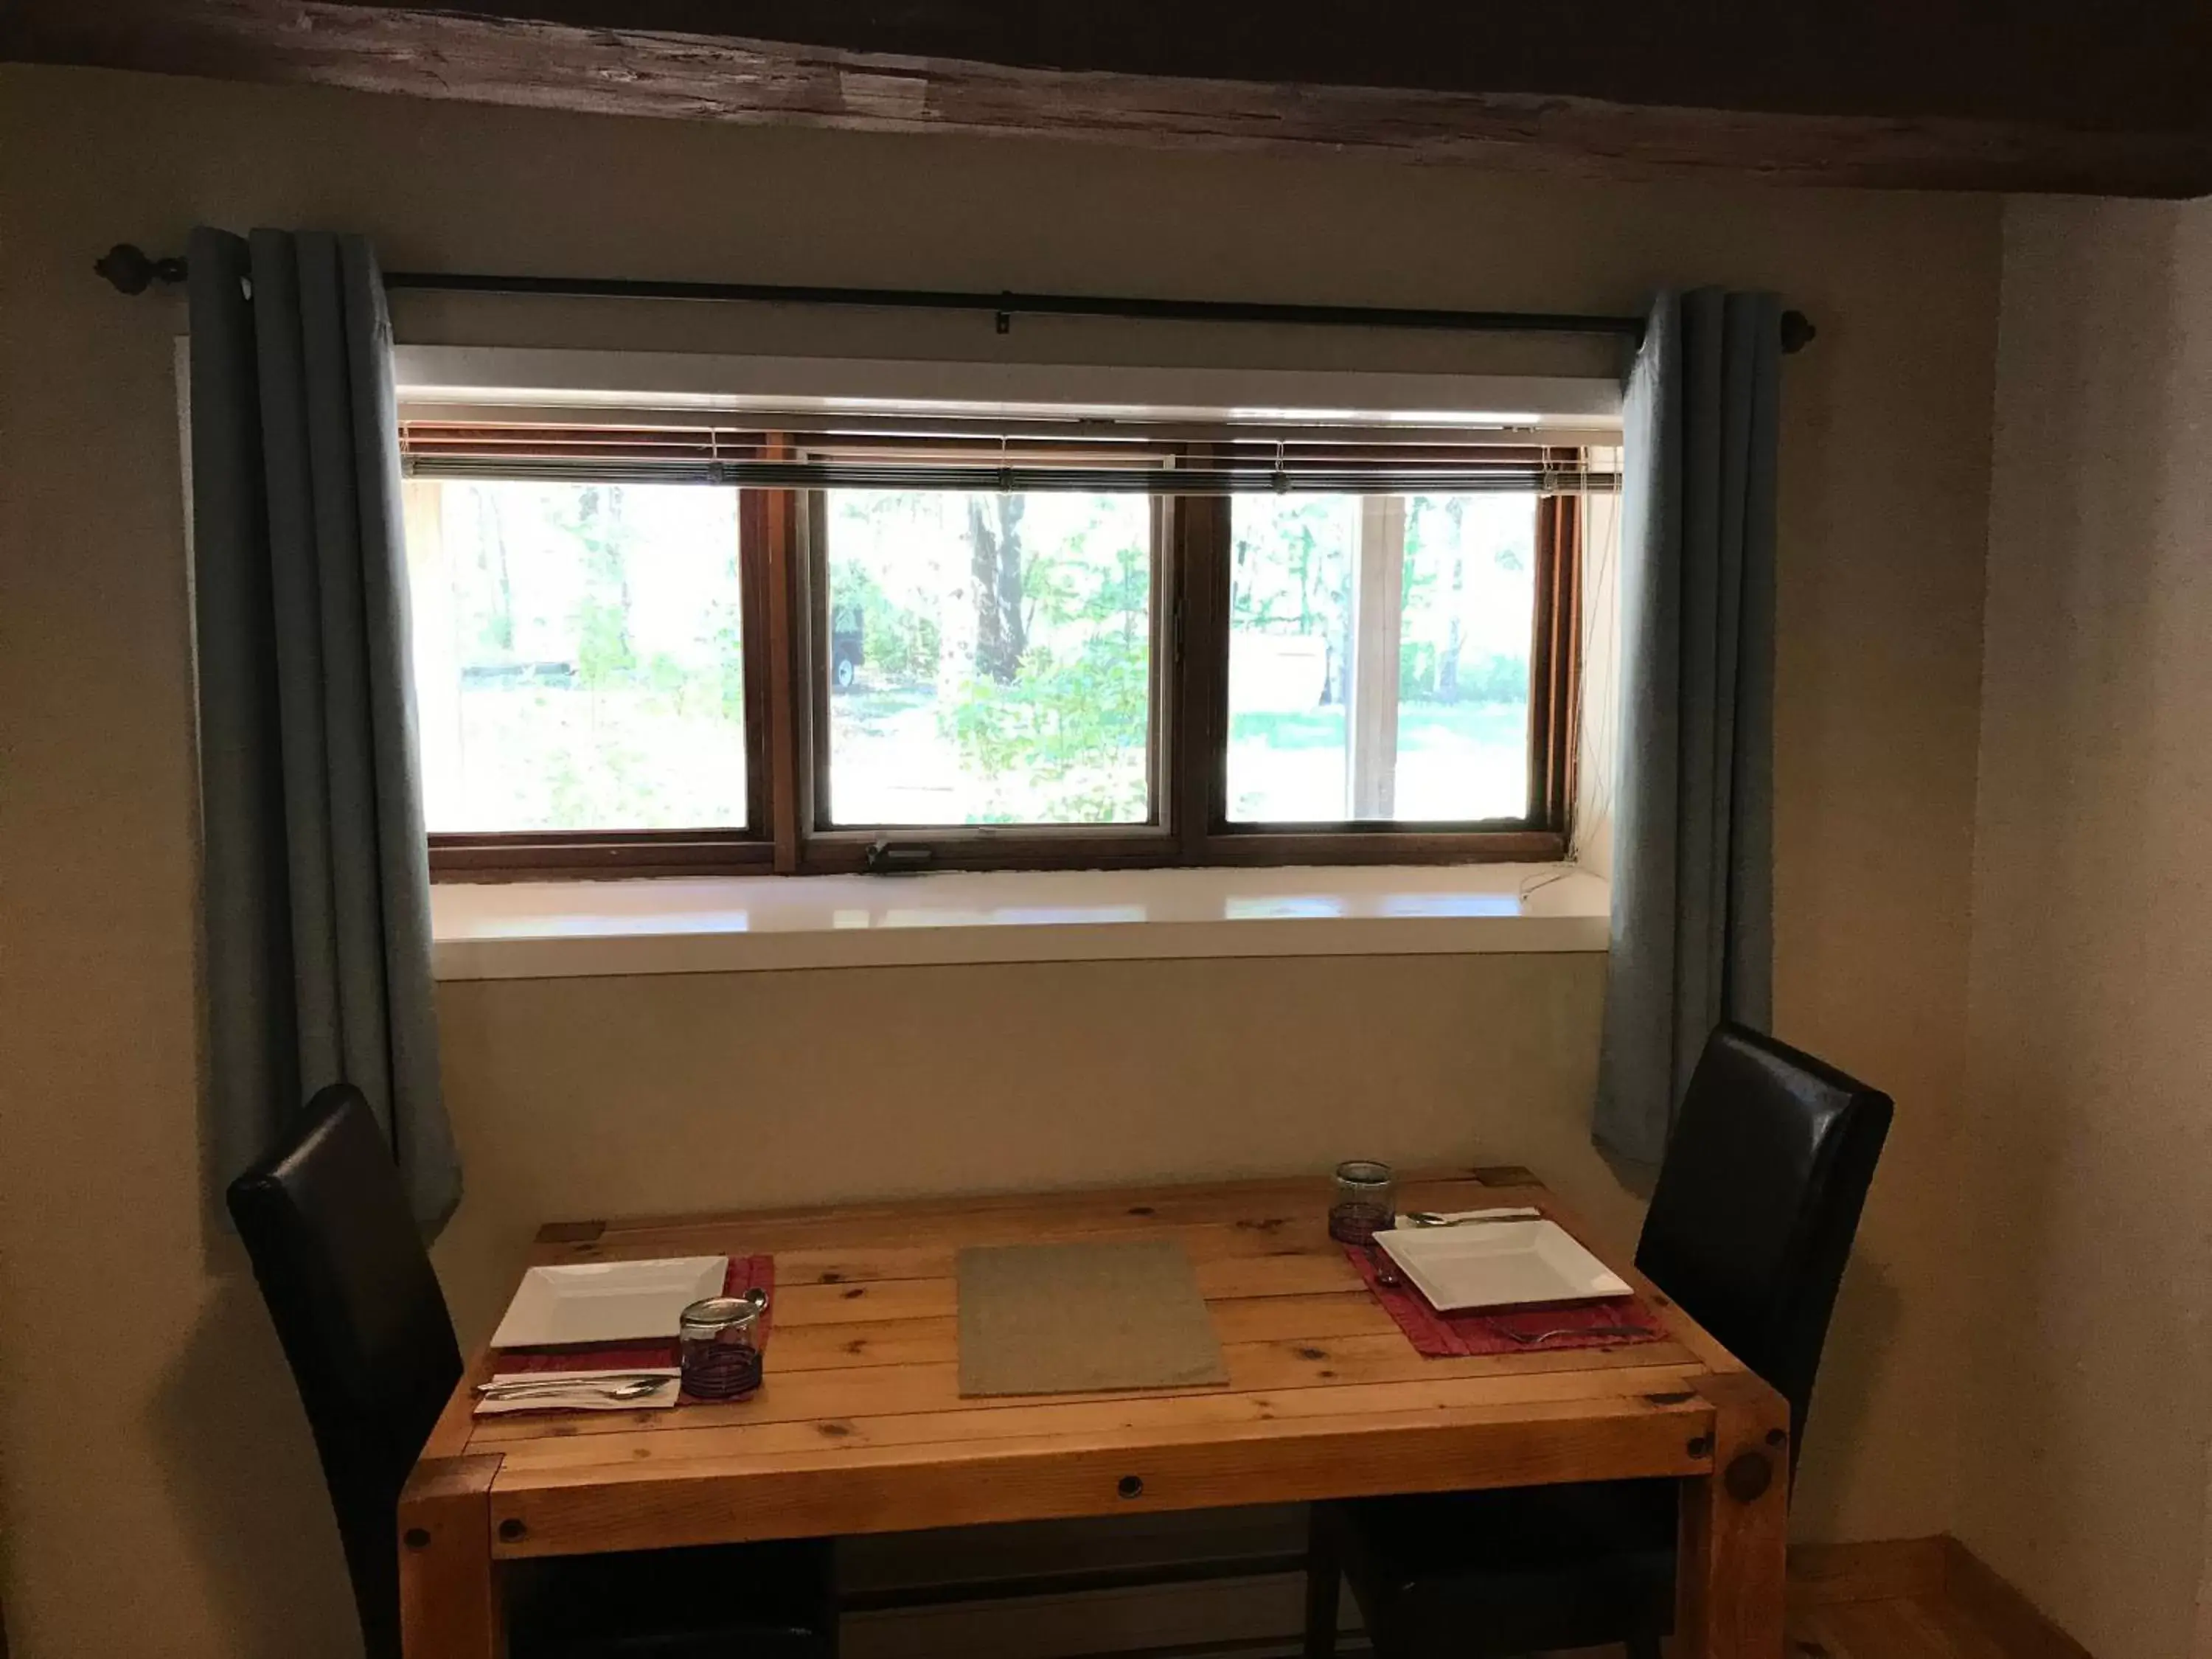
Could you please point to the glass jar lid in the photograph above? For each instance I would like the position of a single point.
(723, 1313)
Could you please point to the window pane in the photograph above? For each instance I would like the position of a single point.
(1315, 618)
(989, 657)
(579, 657)
(1290, 649)
(1470, 598)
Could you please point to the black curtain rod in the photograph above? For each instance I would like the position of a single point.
(131, 270)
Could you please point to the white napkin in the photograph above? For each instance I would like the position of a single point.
(580, 1398)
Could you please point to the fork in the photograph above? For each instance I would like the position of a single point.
(1577, 1330)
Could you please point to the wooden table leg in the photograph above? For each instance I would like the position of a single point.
(1731, 1567)
(449, 1604)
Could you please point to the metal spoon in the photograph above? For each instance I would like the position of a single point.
(1430, 1218)
(635, 1388)
(1386, 1271)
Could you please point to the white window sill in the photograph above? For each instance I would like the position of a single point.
(558, 930)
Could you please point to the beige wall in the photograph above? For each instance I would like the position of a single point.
(180, 1469)
(2083, 1476)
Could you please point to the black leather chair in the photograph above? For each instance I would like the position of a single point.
(1749, 1228)
(364, 1326)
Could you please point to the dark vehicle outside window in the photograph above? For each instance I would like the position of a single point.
(847, 645)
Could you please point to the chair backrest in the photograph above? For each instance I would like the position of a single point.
(1759, 1201)
(355, 1304)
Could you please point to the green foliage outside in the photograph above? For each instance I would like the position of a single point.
(606, 695)
(727, 637)
(607, 657)
(1065, 730)
(1323, 728)
(586, 697)
(1057, 729)
(1293, 566)
(593, 516)
(902, 643)
(1494, 677)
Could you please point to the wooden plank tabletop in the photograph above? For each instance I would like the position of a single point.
(860, 1426)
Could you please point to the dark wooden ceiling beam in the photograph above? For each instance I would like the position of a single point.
(1715, 91)
(2117, 65)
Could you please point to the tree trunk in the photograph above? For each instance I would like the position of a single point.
(995, 536)
(1448, 670)
(604, 650)
(492, 525)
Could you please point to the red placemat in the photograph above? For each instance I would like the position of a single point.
(747, 1273)
(1458, 1335)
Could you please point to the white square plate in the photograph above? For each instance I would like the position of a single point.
(607, 1301)
(1499, 1264)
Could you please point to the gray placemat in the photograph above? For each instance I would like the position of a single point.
(1074, 1318)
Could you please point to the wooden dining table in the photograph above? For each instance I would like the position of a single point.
(861, 1427)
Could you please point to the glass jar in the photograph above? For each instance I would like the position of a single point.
(721, 1356)
(1366, 1199)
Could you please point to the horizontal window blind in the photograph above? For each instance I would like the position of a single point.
(1124, 459)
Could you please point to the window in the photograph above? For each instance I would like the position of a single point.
(649, 646)
(990, 658)
(580, 652)
(1379, 657)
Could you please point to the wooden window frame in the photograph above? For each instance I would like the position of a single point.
(585, 854)
(785, 622)
(825, 848)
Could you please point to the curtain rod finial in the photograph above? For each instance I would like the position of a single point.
(1798, 332)
(129, 269)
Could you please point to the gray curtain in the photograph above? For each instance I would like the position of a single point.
(1693, 824)
(315, 879)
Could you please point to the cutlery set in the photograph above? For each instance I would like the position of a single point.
(639, 1387)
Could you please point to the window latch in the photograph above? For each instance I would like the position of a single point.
(887, 857)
